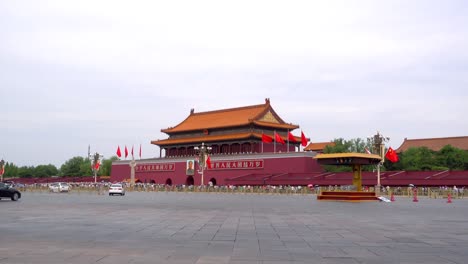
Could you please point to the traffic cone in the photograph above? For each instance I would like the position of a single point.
(392, 198)
(415, 196)
(449, 198)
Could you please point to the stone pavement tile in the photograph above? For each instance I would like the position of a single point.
(383, 252)
(303, 255)
(213, 260)
(291, 238)
(202, 237)
(357, 251)
(245, 253)
(296, 244)
(249, 256)
(288, 262)
(397, 259)
(224, 238)
(339, 260)
(28, 260)
(330, 252)
(420, 248)
(245, 261)
(246, 237)
(181, 259)
(147, 259)
(275, 255)
(180, 236)
(458, 259)
(273, 248)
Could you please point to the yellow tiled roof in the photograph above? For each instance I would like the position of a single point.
(230, 118)
(318, 146)
(347, 155)
(434, 143)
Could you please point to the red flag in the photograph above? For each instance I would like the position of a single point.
(291, 137)
(278, 138)
(208, 162)
(266, 138)
(119, 154)
(2, 170)
(367, 151)
(126, 151)
(132, 151)
(391, 155)
(303, 139)
(96, 166)
(140, 151)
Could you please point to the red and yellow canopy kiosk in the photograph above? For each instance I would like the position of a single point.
(354, 160)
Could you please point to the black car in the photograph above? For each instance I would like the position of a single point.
(9, 192)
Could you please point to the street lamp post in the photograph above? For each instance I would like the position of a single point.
(95, 164)
(132, 171)
(203, 152)
(378, 142)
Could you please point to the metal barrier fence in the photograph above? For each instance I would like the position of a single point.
(102, 189)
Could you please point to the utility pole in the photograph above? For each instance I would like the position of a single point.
(379, 149)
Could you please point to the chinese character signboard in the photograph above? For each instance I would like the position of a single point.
(236, 165)
(159, 167)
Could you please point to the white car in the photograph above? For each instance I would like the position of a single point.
(116, 188)
(59, 187)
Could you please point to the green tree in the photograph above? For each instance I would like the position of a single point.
(107, 165)
(452, 158)
(26, 172)
(341, 146)
(74, 167)
(85, 168)
(345, 146)
(358, 145)
(45, 171)
(11, 170)
(421, 158)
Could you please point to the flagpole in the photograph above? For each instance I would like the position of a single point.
(288, 140)
(262, 141)
(274, 146)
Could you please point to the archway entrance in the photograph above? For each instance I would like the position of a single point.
(213, 181)
(152, 182)
(189, 181)
(169, 181)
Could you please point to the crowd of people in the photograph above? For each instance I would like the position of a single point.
(101, 187)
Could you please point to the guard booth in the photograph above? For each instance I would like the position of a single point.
(354, 160)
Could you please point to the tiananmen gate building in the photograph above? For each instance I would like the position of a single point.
(249, 145)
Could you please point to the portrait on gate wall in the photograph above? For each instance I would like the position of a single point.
(190, 168)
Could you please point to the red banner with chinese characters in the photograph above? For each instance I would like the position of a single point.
(155, 167)
(236, 164)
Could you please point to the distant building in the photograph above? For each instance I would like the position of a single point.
(318, 146)
(434, 143)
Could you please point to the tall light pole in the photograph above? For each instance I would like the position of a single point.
(378, 143)
(203, 152)
(95, 164)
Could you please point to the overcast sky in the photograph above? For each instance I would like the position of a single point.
(109, 73)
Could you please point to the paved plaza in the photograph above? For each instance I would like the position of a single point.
(206, 228)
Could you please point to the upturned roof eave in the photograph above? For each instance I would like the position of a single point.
(210, 138)
(192, 113)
